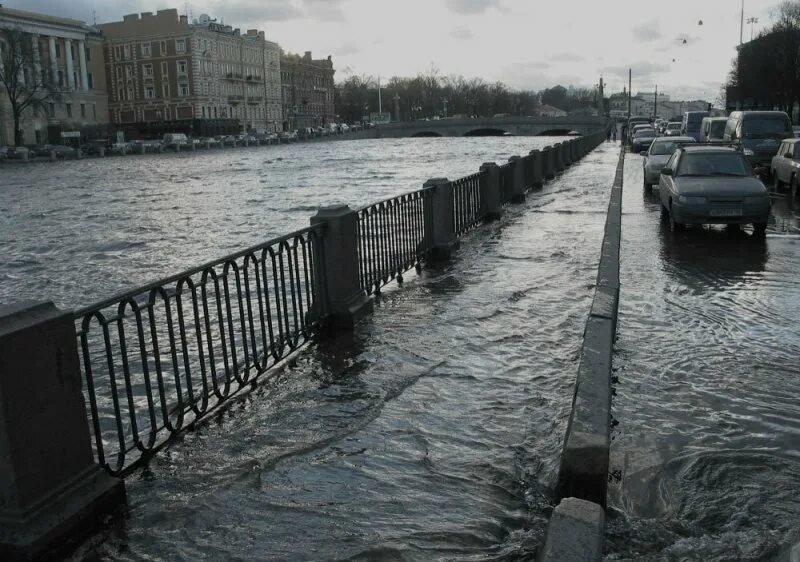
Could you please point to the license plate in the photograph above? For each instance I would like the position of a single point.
(726, 212)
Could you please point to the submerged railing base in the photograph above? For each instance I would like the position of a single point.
(51, 490)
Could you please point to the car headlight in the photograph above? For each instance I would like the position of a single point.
(748, 152)
(690, 200)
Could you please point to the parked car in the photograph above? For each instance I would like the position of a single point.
(643, 138)
(712, 129)
(785, 167)
(14, 152)
(760, 134)
(690, 126)
(60, 150)
(796, 131)
(673, 129)
(712, 185)
(93, 146)
(657, 156)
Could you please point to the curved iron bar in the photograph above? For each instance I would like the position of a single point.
(467, 203)
(183, 346)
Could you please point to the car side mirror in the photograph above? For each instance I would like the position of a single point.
(666, 171)
(643, 153)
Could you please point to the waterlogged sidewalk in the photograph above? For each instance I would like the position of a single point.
(432, 431)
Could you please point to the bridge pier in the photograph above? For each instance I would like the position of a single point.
(491, 205)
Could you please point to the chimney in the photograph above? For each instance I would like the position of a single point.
(307, 56)
(184, 19)
(261, 35)
(147, 15)
(130, 17)
(252, 33)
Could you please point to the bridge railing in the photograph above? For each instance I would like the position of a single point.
(467, 202)
(163, 356)
(108, 385)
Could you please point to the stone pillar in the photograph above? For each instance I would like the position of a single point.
(565, 154)
(82, 61)
(518, 184)
(141, 148)
(51, 489)
(491, 205)
(336, 264)
(51, 45)
(70, 67)
(536, 166)
(208, 145)
(557, 160)
(177, 147)
(548, 169)
(101, 152)
(52, 156)
(37, 60)
(247, 143)
(442, 229)
(78, 154)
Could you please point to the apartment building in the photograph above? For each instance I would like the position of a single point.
(166, 74)
(308, 91)
(67, 56)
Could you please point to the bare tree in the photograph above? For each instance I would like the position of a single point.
(21, 75)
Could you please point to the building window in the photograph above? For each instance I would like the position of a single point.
(61, 77)
(58, 51)
(52, 108)
(145, 48)
(149, 93)
(120, 94)
(69, 109)
(162, 45)
(165, 90)
(88, 54)
(126, 50)
(131, 94)
(117, 54)
(181, 67)
(183, 89)
(119, 73)
(164, 68)
(128, 72)
(83, 110)
(90, 80)
(147, 70)
(180, 45)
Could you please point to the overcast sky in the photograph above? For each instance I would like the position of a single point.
(529, 44)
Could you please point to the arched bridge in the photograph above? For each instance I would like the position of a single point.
(492, 126)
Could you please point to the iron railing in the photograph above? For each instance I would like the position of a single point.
(162, 356)
(393, 236)
(506, 181)
(467, 202)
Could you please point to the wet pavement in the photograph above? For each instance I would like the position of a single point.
(706, 457)
(432, 432)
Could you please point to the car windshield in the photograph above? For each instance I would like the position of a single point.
(713, 164)
(766, 128)
(645, 133)
(664, 148)
(674, 126)
(717, 129)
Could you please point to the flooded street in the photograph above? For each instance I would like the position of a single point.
(706, 457)
(432, 432)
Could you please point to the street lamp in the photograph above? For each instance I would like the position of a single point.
(752, 21)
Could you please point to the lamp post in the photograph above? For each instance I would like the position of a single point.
(752, 21)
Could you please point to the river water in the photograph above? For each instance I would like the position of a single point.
(706, 456)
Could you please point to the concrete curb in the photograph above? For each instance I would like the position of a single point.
(575, 532)
(583, 472)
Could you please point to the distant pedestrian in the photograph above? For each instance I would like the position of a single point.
(614, 133)
(608, 135)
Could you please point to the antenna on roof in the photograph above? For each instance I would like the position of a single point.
(94, 17)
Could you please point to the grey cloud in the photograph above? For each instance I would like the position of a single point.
(462, 33)
(648, 31)
(78, 9)
(471, 7)
(246, 12)
(325, 10)
(348, 48)
(640, 69)
(530, 76)
(567, 57)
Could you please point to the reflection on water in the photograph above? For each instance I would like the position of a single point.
(706, 451)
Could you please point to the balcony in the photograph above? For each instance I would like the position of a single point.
(233, 76)
(255, 100)
(236, 99)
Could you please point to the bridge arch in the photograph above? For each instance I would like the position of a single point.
(486, 132)
(554, 133)
(425, 134)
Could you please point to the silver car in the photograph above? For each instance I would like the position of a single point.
(712, 185)
(656, 157)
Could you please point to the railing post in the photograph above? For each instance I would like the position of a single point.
(566, 153)
(536, 165)
(336, 266)
(443, 232)
(518, 183)
(491, 205)
(559, 158)
(51, 490)
(547, 162)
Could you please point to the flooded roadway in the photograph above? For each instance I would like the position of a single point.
(433, 432)
(706, 456)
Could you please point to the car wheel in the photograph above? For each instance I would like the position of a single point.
(759, 228)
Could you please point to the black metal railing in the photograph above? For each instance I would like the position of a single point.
(161, 357)
(392, 238)
(467, 202)
(506, 182)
